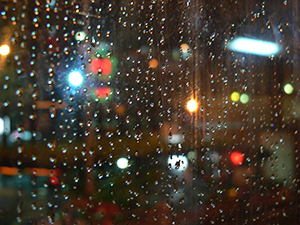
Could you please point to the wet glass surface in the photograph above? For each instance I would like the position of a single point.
(149, 112)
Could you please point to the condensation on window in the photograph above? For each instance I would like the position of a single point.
(149, 112)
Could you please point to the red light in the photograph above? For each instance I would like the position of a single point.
(103, 92)
(52, 44)
(103, 65)
(236, 158)
(54, 180)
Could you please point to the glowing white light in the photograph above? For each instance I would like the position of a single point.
(192, 105)
(253, 46)
(178, 162)
(80, 36)
(175, 139)
(4, 50)
(122, 163)
(288, 89)
(75, 78)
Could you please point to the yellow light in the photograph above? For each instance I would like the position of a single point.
(235, 96)
(192, 105)
(80, 36)
(4, 50)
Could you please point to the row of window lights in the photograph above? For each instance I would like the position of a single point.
(180, 162)
(192, 104)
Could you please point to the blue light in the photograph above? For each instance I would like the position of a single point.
(75, 78)
(254, 46)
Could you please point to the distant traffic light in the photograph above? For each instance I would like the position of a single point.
(235, 96)
(103, 66)
(236, 158)
(244, 98)
(288, 89)
(54, 180)
(103, 92)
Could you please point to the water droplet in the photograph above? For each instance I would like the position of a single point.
(76, 178)
(33, 157)
(66, 196)
(128, 181)
(20, 149)
(52, 159)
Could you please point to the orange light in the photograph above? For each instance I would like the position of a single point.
(42, 172)
(236, 158)
(13, 171)
(153, 63)
(120, 109)
(10, 171)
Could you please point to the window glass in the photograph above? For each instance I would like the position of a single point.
(149, 112)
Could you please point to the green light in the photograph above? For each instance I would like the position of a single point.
(244, 98)
(288, 89)
(235, 96)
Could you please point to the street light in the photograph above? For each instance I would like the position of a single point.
(4, 50)
(288, 89)
(75, 78)
(192, 105)
(122, 163)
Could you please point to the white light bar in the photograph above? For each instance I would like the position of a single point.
(253, 46)
(179, 163)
